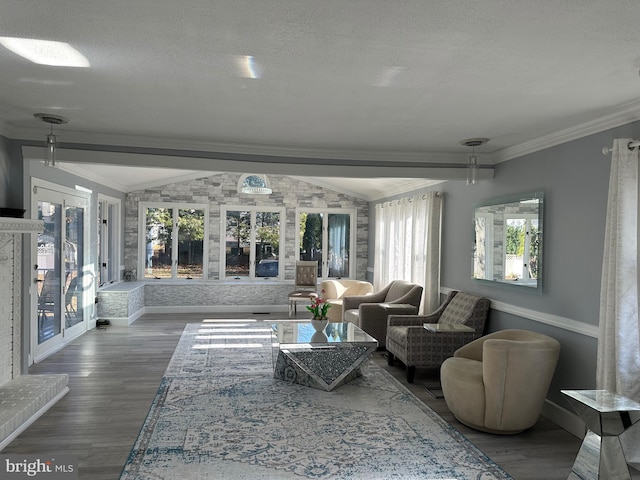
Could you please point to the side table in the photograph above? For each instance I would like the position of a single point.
(607, 415)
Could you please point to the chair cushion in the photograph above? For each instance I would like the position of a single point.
(459, 309)
(397, 334)
(397, 290)
(352, 316)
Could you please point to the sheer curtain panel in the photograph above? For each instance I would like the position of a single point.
(618, 364)
(407, 244)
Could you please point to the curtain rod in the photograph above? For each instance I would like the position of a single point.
(631, 145)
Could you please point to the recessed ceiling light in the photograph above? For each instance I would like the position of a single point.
(45, 52)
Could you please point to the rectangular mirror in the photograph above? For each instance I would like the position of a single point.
(507, 242)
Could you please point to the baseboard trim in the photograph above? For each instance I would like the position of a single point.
(565, 419)
(13, 435)
(249, 309)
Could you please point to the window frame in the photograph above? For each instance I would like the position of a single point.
(353, 226)
(109, 240)
(142, 240)
(252, 209)
(529, 219)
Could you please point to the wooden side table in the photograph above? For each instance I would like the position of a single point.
(607, 415)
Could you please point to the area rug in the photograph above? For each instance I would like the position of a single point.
(220, 414)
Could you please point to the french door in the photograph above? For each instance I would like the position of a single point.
(64, 285)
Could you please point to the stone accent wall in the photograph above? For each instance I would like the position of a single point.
(228, 294)
(7, 283)
(222, 189)
(11, 231)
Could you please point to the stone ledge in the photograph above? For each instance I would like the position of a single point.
(24, 399)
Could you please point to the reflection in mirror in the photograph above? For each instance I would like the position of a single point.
(508, 241)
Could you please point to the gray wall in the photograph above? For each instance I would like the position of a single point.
(574, 177)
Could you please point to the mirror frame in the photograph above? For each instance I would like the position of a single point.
(499, 206)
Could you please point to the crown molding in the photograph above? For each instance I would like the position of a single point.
(5, 131)
(628, 113)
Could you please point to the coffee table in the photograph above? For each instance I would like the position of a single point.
(324, 360)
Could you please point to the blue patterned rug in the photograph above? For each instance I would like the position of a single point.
(220, 414)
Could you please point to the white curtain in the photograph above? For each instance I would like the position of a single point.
(407, 244)
(618, 364)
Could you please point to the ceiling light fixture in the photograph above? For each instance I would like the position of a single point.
(51, 142)
(473, 166)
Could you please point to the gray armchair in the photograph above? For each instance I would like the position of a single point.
(413, 345)
(370, 312)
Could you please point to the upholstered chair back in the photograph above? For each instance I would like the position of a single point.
(306, 275)
(467, 309)
(400, 291)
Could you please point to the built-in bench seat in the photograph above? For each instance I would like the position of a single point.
(24, 399)
(123, 303)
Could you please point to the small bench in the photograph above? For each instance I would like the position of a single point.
(24, 399)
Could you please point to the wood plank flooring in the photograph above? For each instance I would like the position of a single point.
(114, 374)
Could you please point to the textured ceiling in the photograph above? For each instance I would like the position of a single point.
(343, 79)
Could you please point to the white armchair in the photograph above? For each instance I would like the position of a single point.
(335, 290)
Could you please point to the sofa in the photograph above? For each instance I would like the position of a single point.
(335, 290)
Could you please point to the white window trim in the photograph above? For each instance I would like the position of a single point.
(116, 232)
(353, 212)
(528, 218)
(142, 241)
(252, 254)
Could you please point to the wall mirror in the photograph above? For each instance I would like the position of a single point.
(507, 241)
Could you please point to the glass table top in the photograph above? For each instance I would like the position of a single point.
(603, 400)
(291, 334)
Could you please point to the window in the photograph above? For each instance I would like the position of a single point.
(108, 240)
(254, 184)
(175, 240)
(251, 247)
(521, 247)
(325, 236)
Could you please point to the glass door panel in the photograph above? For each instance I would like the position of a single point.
(76, 282)
(64, 283)
(49, 273)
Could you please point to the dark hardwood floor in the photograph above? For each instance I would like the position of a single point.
(114, 374)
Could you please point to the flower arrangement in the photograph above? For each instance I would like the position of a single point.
(319, 307)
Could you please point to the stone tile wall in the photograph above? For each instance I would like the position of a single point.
(222, 189)
(6, 307)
